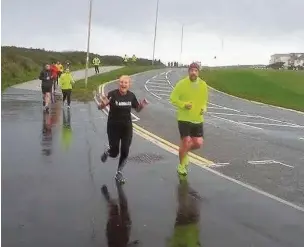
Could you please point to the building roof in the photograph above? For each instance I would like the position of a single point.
(280, 55)
(287, 54)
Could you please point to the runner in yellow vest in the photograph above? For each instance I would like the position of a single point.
(96, 62)
(125, 59)
(134, 59)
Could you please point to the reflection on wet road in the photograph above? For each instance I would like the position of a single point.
(119, 221)
(51, 190)
(186, 228)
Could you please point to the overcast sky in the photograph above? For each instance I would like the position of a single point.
(251, 30)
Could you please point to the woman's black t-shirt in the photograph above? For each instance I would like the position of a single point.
(121, 105)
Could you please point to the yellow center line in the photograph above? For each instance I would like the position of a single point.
(171, 145)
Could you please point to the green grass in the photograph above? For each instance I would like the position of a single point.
(274, 87)
(84, 94)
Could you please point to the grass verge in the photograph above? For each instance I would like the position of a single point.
(84, 94)
(279, 88)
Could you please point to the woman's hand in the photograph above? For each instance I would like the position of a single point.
(104, 101)
(142, 104)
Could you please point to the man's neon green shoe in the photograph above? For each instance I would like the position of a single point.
(182, 168)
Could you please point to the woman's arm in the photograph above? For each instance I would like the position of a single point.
(138, 106)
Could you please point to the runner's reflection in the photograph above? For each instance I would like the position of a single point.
(48, 121)
(119, 222)
(47, 137)
(66, 134)
(186, 228)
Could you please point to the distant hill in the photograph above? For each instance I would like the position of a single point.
(20, 64)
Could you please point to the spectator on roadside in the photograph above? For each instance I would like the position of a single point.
(96, 63)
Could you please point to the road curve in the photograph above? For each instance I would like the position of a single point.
(51, 181)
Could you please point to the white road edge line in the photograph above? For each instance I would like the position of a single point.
(163, 94)
(159, 80)
(160, 90)
(156, 86)
(213, 107)
(268, 162)
(155, 82)
(247, 186)
(231, 121)
(254, 116)
(273, 124)
(224, 107)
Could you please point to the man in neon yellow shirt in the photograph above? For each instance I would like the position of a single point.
(190, 96)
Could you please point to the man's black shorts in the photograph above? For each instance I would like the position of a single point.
(46, 88)
(190, 129)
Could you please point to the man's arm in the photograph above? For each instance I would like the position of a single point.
(205, 97)
(41, 76)
(175, 95)
(60, 81)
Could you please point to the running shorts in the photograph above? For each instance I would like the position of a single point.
(46, 88)
(190, 129)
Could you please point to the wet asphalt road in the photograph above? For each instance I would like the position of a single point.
(257, 144)
(52, 175)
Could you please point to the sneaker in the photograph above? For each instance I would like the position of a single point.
(119, 177)
(105, 155)
(46, 108)
(181, 169)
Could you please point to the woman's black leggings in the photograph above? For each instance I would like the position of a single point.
(120, 133)
(66, 93)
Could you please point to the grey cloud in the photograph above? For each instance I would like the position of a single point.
(239, 17)
(223, 17)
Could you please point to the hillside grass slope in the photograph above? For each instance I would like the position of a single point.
(275, 87)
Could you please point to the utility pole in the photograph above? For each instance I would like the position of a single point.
(155, 31)
(181, 51)
(88, 44)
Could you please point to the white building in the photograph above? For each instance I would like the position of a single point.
(280, 58)
(296, 59)
(299, 61)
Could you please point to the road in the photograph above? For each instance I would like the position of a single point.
(256, 144)
(51, 179)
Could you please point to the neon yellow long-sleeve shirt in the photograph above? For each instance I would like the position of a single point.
(195, 93)
(66, 80)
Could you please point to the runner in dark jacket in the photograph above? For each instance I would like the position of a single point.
(46, 85)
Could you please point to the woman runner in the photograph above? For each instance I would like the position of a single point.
(119, 126)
